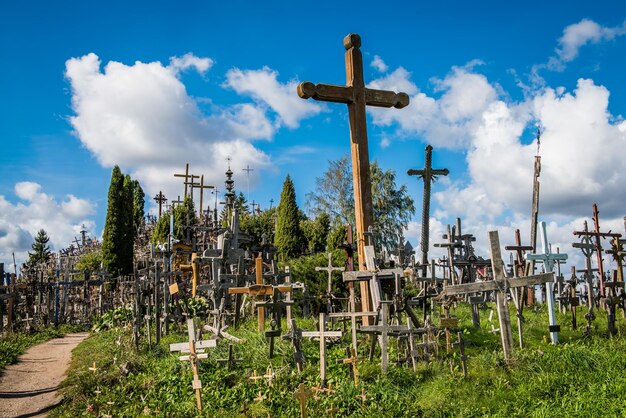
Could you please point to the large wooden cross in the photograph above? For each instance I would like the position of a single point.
(429, 174)
(357, 97)
(500, 285)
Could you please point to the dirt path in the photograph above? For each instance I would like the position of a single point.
(29, 388)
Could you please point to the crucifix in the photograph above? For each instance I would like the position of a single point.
(196, 352)
(357, 97)
(429, 175)
(322, 334)
(160, 199)
(548, 259)
(500, 285)
(329, 286)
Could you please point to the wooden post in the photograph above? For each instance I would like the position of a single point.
(258, 262)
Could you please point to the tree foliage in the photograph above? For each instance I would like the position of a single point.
(90, 261)
(316, 232)
(258, 225)
(41, 250)
(184, 215)
(288, 238)
(139, 201)
(392, 206)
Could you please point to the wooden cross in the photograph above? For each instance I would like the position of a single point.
(160, 199)
(548, 259)
(259, 291)
(295, 336)
(597, 235)
(383, 330)
(301, 395)
(329, 286)
(201, 186)
(429, 174)
(357, 97)
(322, 334)
(500, 285)
(587, 248)
(520, 264)
(332, 411)
(186, 176)
(352, 361)
(231, 359)
(276, 304)
(196, 352)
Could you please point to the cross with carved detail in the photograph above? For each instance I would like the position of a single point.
(160, 199)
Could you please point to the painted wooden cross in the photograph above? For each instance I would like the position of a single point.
(548, 259)
(329, 285)
(322, 334)
(352, 361)
(500, 285)
(429, 174)
(196, 352)
(357, 97)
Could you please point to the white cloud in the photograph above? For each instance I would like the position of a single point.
(141, 118)
(20, 221)
(447, 121)
(582, 33)
(264, 87)
(202, 65)
(379, 64)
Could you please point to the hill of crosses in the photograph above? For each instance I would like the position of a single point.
(200, 312)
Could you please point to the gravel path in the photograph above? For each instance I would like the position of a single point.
(29, 388)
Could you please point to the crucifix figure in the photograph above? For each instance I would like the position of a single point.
(429, 174)
(548, 259)
(357, 97)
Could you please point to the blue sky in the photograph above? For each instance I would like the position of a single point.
(152, 85)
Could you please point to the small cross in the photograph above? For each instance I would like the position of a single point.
(329, 269)
(322, 334)
(301, 394)
(93, 368)
(332, 411)
(261, 397)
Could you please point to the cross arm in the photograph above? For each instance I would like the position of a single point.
(476, 287)
(437, 172)
(345, 94)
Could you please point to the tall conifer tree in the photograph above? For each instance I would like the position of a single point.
(288, 238)
(114, 234)
(41, 249)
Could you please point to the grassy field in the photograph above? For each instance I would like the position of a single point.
(578, 377)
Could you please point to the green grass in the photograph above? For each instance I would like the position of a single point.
(14, 344)
(579, 377)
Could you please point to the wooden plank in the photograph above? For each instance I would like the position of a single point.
(497, 267)
(491, 285)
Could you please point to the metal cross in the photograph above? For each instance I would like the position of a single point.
(357, 97)
(429, 175)
(548, 259)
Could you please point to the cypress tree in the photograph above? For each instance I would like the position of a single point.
(114, 234)
(139, 201)
(288, 238)
(128, 226)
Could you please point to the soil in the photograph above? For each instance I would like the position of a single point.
(29, 387)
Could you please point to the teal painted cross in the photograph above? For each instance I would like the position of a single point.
(547, 258)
